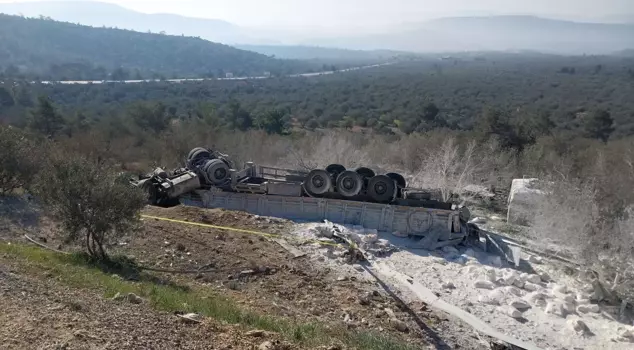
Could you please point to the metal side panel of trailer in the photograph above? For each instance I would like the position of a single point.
(414, 221)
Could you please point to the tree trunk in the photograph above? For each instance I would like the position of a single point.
(88, 247)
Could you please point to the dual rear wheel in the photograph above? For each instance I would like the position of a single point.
(348, 183)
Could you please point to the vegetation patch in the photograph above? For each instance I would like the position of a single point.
(82, 271)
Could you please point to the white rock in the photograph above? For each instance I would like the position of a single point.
(519, 304)
(358, 228)
(497, 296)
(523, 276)
(472, 269)
(518, 283)
(569, 308)
(469, 252)
(371, 238)
(534, 259)
(578, 326)
(490, 275)
(560, 288)
(510, 278)
(533, 279)
(531, 286)
(545, 277)
(495, 260)
(583, 301)
(511, 311)
(583, 309)
(627, 335)
(569, 299)
(588, 288)
(555, 308)
(513, 291)
(594, 308)
(484, 284)
(536, 298)
(582, 296)
(324, 231)
(484, 299)
(448, 285)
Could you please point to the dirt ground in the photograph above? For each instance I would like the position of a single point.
(40, 313)
(253, 270)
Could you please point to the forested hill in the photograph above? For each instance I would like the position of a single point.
(48, 49)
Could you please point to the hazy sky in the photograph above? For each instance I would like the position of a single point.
(353, 13)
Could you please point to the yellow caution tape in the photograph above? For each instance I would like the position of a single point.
(233, 229)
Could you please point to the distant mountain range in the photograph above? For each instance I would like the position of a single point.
(493, 33)
(53, 50)
(499, 33)
(99, 14)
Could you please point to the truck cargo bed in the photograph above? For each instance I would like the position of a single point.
(415, 221)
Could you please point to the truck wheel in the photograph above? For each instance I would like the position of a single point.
(365, 173)
(318, 182)
(335, 169)
(382, 189)
(216, 172)
(400, 182)
(191, 153)
(349, 183)
(197, 158)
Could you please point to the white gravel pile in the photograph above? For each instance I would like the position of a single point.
(546, 308)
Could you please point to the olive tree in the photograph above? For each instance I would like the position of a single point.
(18, 159)
(91, 202)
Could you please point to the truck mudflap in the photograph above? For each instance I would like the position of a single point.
(443, 225)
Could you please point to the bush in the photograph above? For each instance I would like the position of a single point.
(89, 200)
(18, 159)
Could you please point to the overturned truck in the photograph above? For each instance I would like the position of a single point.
(346, 196)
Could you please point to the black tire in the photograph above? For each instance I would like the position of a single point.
(349, 183)
(318, 182)
(366, 173)
(216, 172)
(191, 153)
(197, 157)
(335, 169)
(382, 189)
(400, 182)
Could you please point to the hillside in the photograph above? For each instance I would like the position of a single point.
(58, 50)
(498, 33)
(99, 14)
